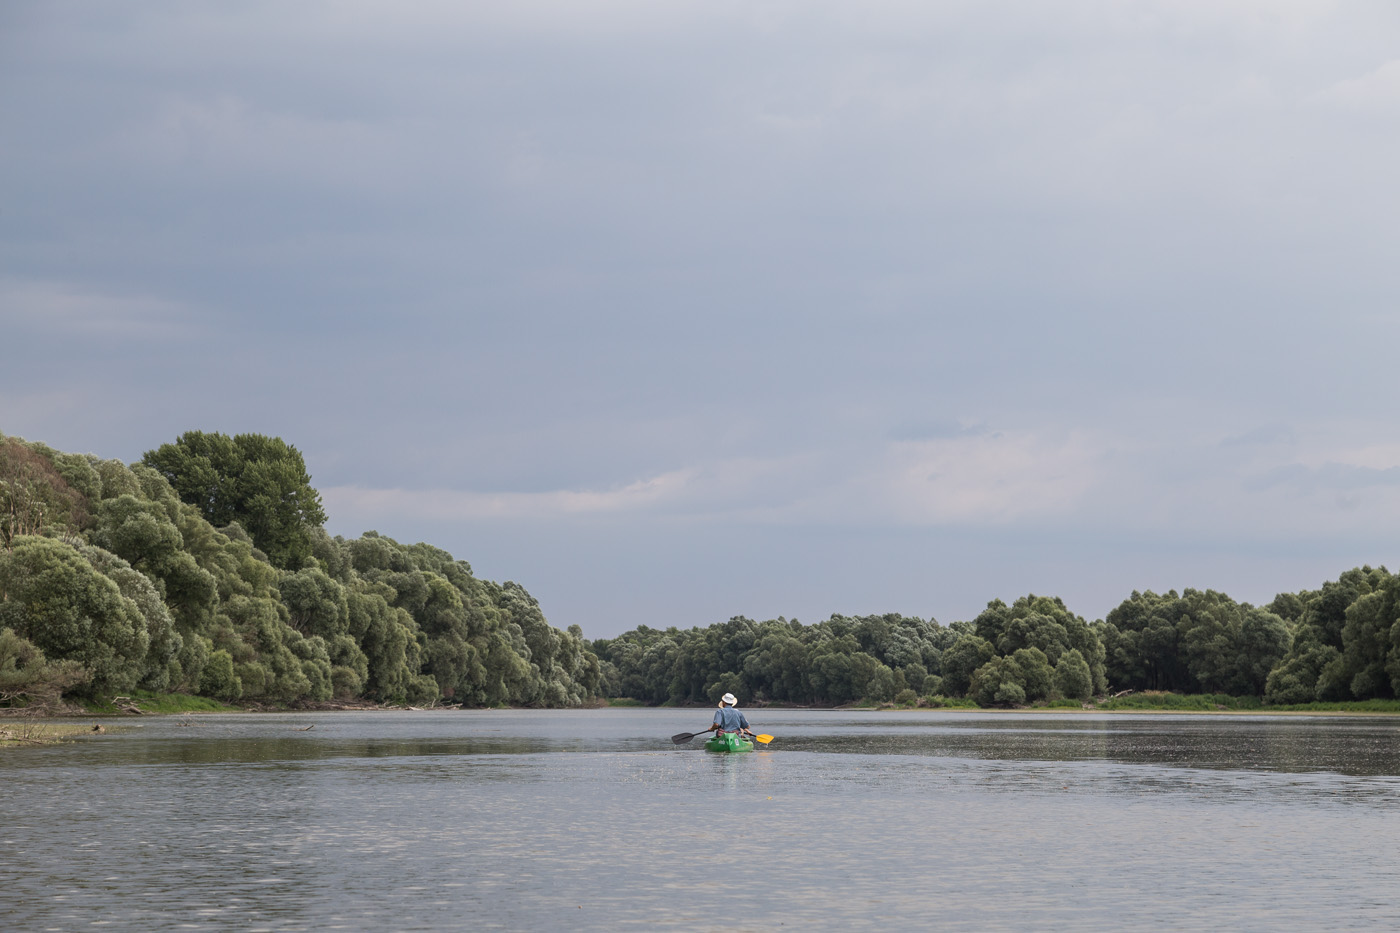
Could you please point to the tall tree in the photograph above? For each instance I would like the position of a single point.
(258, 481)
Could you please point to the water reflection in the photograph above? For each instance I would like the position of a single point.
(1270, 743)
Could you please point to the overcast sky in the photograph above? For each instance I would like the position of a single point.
(675, 311)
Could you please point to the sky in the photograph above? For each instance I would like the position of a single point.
(677, 311)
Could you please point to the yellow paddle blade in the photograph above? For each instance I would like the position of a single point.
(765, 739)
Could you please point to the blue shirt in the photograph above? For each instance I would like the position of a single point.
(730, 719)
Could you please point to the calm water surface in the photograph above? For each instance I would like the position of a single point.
(536, 820)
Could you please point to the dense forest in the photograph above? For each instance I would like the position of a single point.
(204, 569)
(1337, 643)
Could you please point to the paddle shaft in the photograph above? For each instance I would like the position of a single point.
(682, 737)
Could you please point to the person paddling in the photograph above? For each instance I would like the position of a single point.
(729, 719)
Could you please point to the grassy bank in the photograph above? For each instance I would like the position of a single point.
(1156, 702)
(141, 701)
(1219, 702)
(1179, 702)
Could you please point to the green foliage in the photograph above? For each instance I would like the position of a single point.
(1037, 674)
(160, 667)
(1073, 681)
(205, 568)
(1345, 644)
(1032, 651)
(1294, 679)
(1141, 643)
(28, 678)
(1044, 623)
(1207, 702)
(999, 682)
(127, 582)
(832, 663)
(36, 492)
(152, 702)
(944, 702)
(1198, 640)
(1391, 707)
(55, 599)
(260, 482)
(218, 678)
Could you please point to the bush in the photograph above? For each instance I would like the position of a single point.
(1009, 693)
(906, 697)
(1072, 676)
(28, 677)
(1193, 702)
(999, 682)
(218, 678)
(938, 701)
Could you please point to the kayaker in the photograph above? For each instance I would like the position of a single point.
(729, 719)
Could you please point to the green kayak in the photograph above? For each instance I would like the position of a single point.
(729, 742)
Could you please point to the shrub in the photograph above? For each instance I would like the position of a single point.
(218, 678)
(1072, 676)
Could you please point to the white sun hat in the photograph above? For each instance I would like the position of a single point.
(729, 700)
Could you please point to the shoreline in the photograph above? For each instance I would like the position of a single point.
(143, 703)
(10, 718)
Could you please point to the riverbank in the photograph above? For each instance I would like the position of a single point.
(1161, 703)
(15, 733)
(143, 703)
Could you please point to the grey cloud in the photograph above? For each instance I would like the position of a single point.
(529, 247)
(1262, 436)
(1328, 477)
(937, 429)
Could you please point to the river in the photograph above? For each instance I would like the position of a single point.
(594, 820)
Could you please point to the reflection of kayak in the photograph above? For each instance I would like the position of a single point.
(729, 742)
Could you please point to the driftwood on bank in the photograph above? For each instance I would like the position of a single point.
(128, 706)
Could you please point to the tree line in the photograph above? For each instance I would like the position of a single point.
(1338, 643)
(204, 568)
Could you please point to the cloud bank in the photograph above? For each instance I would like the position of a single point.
(674, 311)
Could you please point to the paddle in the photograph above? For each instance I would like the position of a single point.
(681, 738)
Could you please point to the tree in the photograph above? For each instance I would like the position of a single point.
(1140, 641)
(1229, 647)
(999, 682)
(53, 598)
(1072, 678)
(1341, 645)
(1042, 622)
(161, 668)
(1294, 679)
(1366, 640)
(1037, 674)
(968, 654)
(34, 494)
(27, 676)
(260, 482)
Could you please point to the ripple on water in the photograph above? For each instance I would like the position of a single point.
(595, 821)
